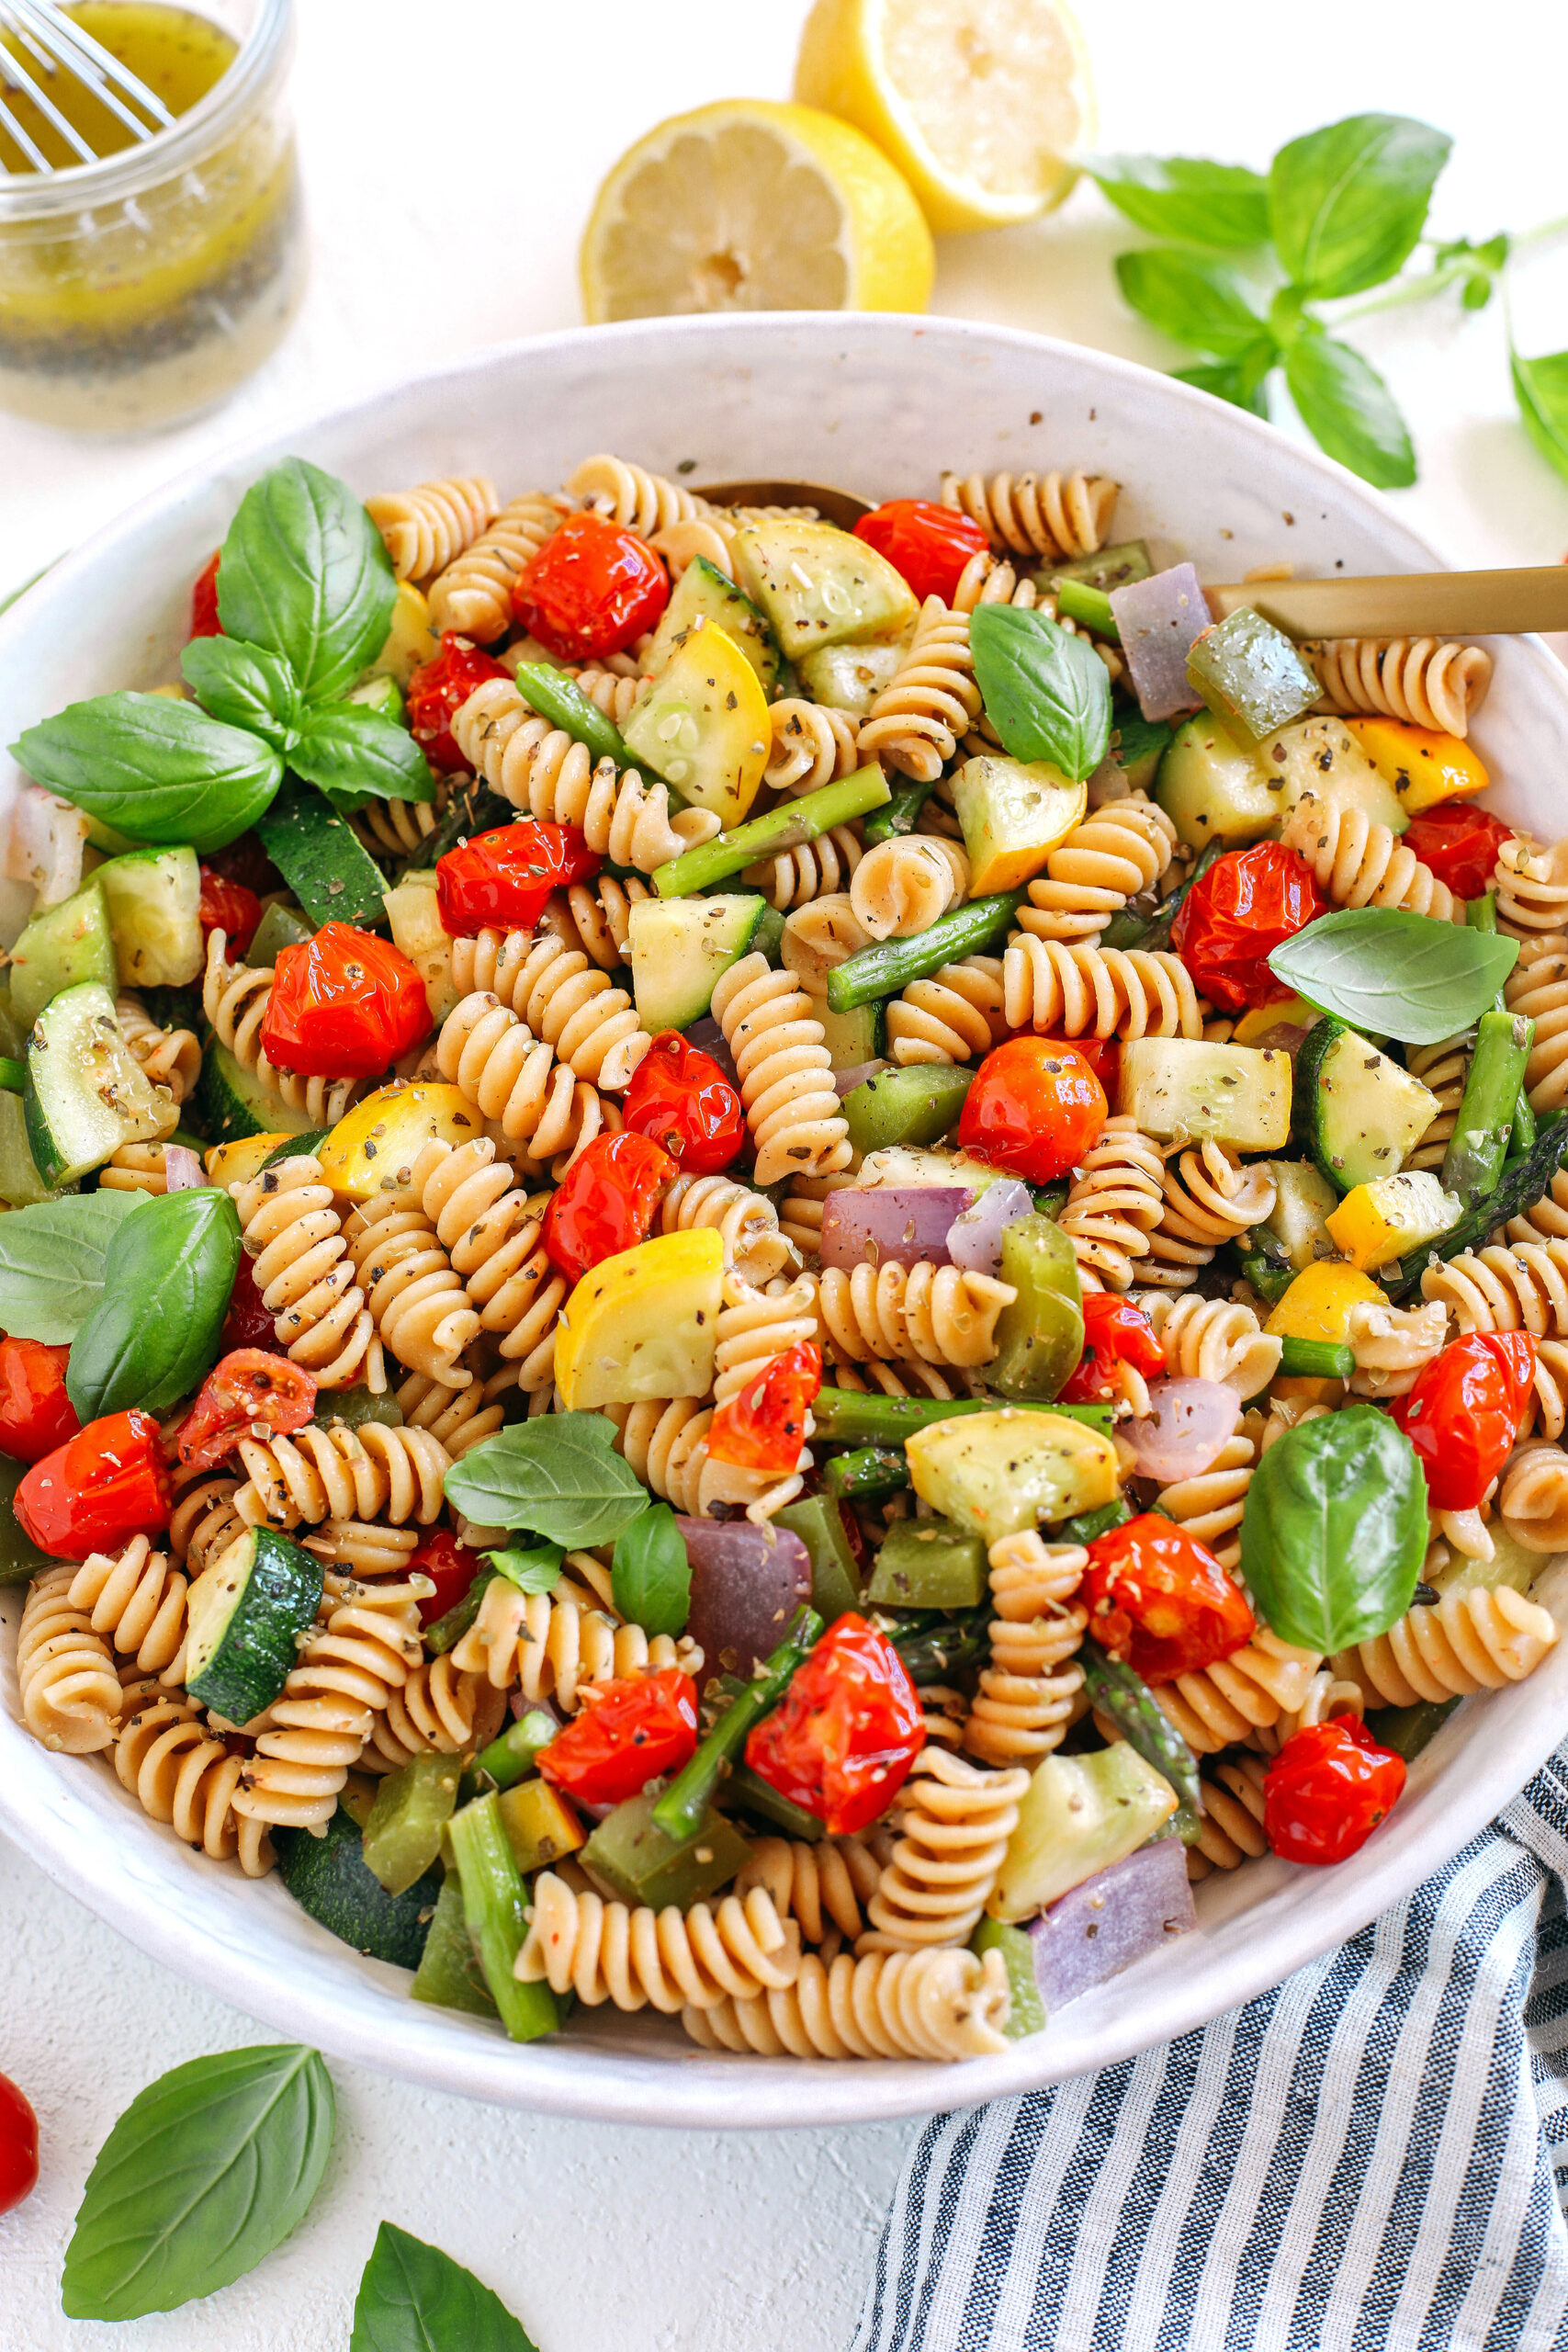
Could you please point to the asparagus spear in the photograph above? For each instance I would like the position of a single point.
(494, 1906)
(931, 1653)
(1315, 1359)
(12, 1075)
(1090, 607)
(1090, 1523)
(511, 1758)
(683, 1807)
(900, 813)
(892, 963)
(869, 1473)
(1480, 915)
(448, 1631)
(1484, 1126)
(849, 1418)
(1129, 930)
(783, 828)
(562, 701)
(1123, 1695)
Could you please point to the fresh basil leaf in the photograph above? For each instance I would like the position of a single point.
(1334, 1530)
(153, 1335)
(560, 1476)
(1540, 388)
(537, 1569)
(304, 573)
(245, 685)
(207, 2171)
(1194, 301)
(1180, 196)
(652, 1577)
(1240, 381)
(1047, 694)
(160, 771)
(1393, 974)
(346, 749)
(413, 2298)
(51, 1262)
(1349, 412)
(1347, 203)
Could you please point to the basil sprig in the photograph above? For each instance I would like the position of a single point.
(651, 1575)
(413, 2298)
(51, 1262)
(207, 2171)
(1046, 694)
(1334, 1530)
(1198, 203)
(153, 1334)
(1394, 974)
(558, 1476)
(163, 772)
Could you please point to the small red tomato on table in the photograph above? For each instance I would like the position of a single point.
(502, 878)
(1159, 1600)
(36, 1414)
(1035, 1109)
(1249, 902)
(436, 693)
(625, 1734)
(680, 1098)
(1114, 1332)
(593, 589)
(762, 1426)
(343, 1004)
(1328, 1790)
(928, 544)
(842, 1740)
(248, 1389)
(1459, 843)
(607, 1202)
(1464, 1414)
(230, 907)
(18, 2145)
(98, 1489)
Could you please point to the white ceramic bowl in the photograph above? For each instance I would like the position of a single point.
(876, 404)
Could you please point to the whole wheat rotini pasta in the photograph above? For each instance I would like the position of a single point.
(902, 886)
(1209, 1503)
(1026, 1694)
(812, 870)
(1442, 1069)
(608, 1952)
(1242, 1693)
(1212, 1338)
(562, 996)
(419, 1306)
(1533, 889)
(1043, 515)
(138, 1602)
(65, 1672)
(936, 1314)
(1077, 991)
(1115, 1205)
(1361, 863)
(513, 1079)
(920, 718)
(823, 1888)
(748, 1224)
(887, 2005)
(472, 597)
(492, 1229)
(234, 997)
(340, 1472)
(953, 1822)
(1468, 1641)
(596, 917)
(552, 1645)
(1537, 988)
(1106, 860)
(305, 1276)
(171, 1058)
(783, 1067)
(428, 528)
(951, 1017)
(644, 501)
(1416, 678)
(1209, 1198)
(812, 744)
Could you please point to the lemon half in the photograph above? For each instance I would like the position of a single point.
(980, 103)
(747, 205)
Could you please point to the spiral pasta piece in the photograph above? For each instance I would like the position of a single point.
(945, 1712)
(710, 535)
(1393, 1345)
(339, 1473)
(607, 1951)
(611, 691)
(171, 1058)
(182, 1774)
(811, 870)
(1210, 1504)
(493, 1232)
(666, 1444)
(1521, 1288)
(953, 1016)
(1326, 1695)
(1475, 1640)
(1079, 991)
(785, 1071)
(439, 1709)
(630, 495)
(1033, 514)
(204, 1520)
(552, 1645)
(564, 998)
(1422, 679)
(1442, 1069)
(936, 2004)
(1113, 1206)
(1226, 1702)
(953, 1822)
(1025, 1698)
(1213, 1339)
(1115, 852)
(305, 1276)
(418, 1305)
(822, 1887)
(349, 1667)
(234, 997)
(1360, 864)
(425, 530)
(754, 1329)
(747, 1224)
(596, 917)
(136, 1167)
(1210, 1198)
(937, 1314)
(138, 1602)
(903, 885)
(1533, 1498)
(472, 597)
(65, 1673)
(359, 1548)
(991, 580)
(1230, 1829)
(1532, 888)
(1545, 1219)
(932, 700)
(1537, 988)
(397, 828)
(812, 745)
(513, 1079)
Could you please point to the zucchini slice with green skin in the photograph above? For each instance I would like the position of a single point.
(704, 592)
(60, 949)
(320, 858)
(87, 1094)
(1358, 1113)
(233, 1103)
(247, 1612)
(327, 1877)
(679, 948)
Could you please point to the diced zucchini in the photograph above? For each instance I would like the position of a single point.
(835, 1572)
(411, 639)
(20, 1184)
(705, 593)
(61, 948)
(87, 1093)
(1181, 1090)
(853, 1038)
(643, 1323)
(637, 1862)
(373, 1147)
(819, 585)
(327, 1877)
(703, 724)
(995, 1474)
(1251, 675)
(248, 1610)
(913, 1106)
(320, 858)
(412, 1807)
(849, 677)
(1078, 1814)
(152, 897)
(281, 926)
(1303, 1200)
(1115, 567)
(1258, 1020)
(679, 947)
(539, 1823)
(1039, 1336)
(1214, 787)
(1323, 757)
(1358, 1113)
(416, 926)
(449, 1976)
(928, 1563)
(1013, 813)
(1377, 1222)
(233, 1103)
(897, 1165)
(382, 694)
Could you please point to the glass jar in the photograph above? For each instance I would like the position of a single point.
(139, 290)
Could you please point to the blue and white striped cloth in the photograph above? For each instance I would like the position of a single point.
(1373, 2158)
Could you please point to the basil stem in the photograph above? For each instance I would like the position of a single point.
(562, 701)
(900, 813)
(849, 1417)
(1089, 606)
(1315, 1359)
(892, 963)
(682, 1809)
(1493, 1085)
(783, 828)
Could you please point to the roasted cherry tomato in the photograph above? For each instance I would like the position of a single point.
(1463, 1414)
(204, 620)
(247, 1389)
(1035, 1109)
(1103, 1056)
(343, 1004)
(592, 587)
(1114, 1332)
(928, 544)
(762, 1426)
(607, 1202)
(1328, 1790)
(451, 1567)
(98, 1489)
(248, 1323)
(680, 1096)
(437, 691)
(18, 2146)
(842, 1739)
(1159, 1600)
(36, 1415)
(230, 907)
(1459, 842)
(1249, 902)
(505, 877)
(625, 1733)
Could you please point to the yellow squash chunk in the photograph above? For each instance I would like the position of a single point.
(411, 640)
(1317, 1305)
(541, 1828)
(997, 1473)
(641, 1326)
(819, 585)
(236, 1163)
(1013, 813)
(373, 1147)
(703, 724)
(1377, 1222)
(1423, 764)
(416, 928)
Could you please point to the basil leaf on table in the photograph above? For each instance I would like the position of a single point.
(245, 685)
(1347, 203)
(413, 2298)
(51, 1262)
(207, 2171)
(1047, 694)
(164, 772)
(650, 1580)
(153, 1335)
(1240, 381)
(304, 573)
(1182, 196)
(1349, 410)
(1396, 974)
(1334, 1530)
(1193, 300)
(347, 750)
(558, 1476)
(537, 1569)
(1540, 388)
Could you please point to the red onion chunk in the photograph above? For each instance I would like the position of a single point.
(975, 1240)
(1117, 1917)
(1160, 619)
(709, 1038)
(747, 1583)
(1186, 1423)
(901, 1226)
(183, 1172)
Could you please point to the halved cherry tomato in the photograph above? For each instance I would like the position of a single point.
(1114, 1332)
(36, 1415)
(248, 1387)
(451, 1567)
(437, 691)
(1159, 1600)
(928, 544)
(248, 1323)
(842, 1739)
(762, 1426)
(1035, 1109)
(505, 877)
(1464, 1412)
(18, 2145)
(1249, 902)
(204, 620)
(592, 587)
(680, 1096)
(1103, 1056)
(1328, 1790)
(98, 1489)
(230, 907)
(607, 1202)
(625, 1734)
(1459, 842)
(343, 1004)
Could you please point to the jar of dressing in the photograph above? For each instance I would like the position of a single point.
(140, 290)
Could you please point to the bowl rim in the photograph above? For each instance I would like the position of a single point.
(574, 2077)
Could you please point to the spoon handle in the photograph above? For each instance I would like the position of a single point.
(1407, 603)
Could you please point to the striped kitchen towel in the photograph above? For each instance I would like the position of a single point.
(1373, 2158)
